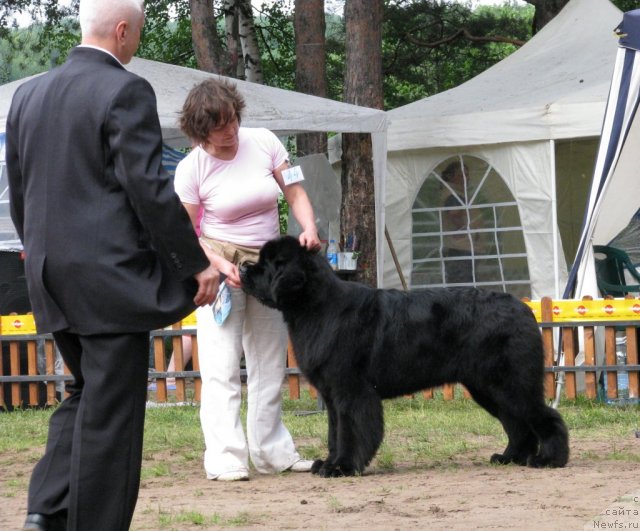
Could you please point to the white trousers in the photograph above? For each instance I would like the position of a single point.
(261, 334)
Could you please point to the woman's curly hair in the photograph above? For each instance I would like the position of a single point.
(210, 104)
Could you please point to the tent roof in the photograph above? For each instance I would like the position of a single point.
(553, 87)
(282, 111)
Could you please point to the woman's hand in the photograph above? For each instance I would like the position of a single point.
(233, 274)
(223, 265)
(310, 240)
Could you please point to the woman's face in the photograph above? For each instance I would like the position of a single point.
(224, 136)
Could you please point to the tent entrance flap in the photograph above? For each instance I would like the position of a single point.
(615, 189)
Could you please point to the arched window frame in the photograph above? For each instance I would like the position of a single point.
(467, 202)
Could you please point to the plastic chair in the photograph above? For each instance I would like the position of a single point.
(611, 266)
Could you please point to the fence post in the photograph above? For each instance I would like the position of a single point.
(3, 403)
(632, 359)
(14, 364)
(178, 362)
(50, 367)
(546, 315)
(610, 359)
(195, 362)
(448, 391)
(161, 366)
(32, 370)
(590, 358)
(569, 346)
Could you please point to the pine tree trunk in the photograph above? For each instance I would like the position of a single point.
(545, 11)
(311, 65)
(363, 86)
(206, 43)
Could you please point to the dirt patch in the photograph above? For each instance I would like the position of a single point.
(467, 493)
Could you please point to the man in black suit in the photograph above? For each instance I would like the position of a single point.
(110, 255)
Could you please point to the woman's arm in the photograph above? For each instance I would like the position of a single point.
(300, 208)
(219, 262)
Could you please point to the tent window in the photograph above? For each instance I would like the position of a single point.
(467, 230)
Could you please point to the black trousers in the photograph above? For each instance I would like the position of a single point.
(91, 466)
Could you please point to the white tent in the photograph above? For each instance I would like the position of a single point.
(616, 186)
(282, 111)
(530, 120)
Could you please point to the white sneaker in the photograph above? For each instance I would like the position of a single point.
(303, 465)
(233, 475)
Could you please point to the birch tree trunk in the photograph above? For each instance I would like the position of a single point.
(311, 65)
(249, 42)
(363, 86)
(233, 40)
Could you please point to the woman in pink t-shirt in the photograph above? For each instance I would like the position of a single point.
(234, 175)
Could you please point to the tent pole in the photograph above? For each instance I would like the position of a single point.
(554, 216)
(554, 223)
(395, 259)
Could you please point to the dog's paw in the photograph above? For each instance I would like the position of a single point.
(330, 472)
(538, 461)
(499, 459)
(327, 469)
(337, 470)
(503, 459)
(317, 465)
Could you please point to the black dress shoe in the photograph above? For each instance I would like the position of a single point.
(37, 522)
(44, 522)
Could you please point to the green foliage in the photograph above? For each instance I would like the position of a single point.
(414, 67)
(283, 214)
(167, 33)
(276, 37)
(626, 5)
(335, 50)
(25, 51)
(411, 69)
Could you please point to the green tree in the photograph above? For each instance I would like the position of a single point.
(167, 33)
(431, 47)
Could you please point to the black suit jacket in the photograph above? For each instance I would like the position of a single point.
(109, 247)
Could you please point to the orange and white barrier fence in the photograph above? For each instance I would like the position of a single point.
(22, 384)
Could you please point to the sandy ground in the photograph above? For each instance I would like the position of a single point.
(467, 493)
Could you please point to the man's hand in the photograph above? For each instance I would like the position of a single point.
(208, 283)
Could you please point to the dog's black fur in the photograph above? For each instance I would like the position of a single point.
(358, 345)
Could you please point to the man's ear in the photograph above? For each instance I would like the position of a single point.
(122, 29)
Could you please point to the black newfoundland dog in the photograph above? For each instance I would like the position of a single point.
(358, 345)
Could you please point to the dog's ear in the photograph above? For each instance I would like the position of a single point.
(290, 278)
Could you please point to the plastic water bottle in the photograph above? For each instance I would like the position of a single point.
(332, 254)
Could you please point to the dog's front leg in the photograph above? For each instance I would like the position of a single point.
(319, 466)
(359, 428)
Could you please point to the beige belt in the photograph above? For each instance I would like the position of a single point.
(236, 254)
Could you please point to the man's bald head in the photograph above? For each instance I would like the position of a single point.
(112, 24)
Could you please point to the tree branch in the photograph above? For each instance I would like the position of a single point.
(463, 33)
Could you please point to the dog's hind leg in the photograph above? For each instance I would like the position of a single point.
(523, 442)
(522, 445)
(554, 439)
(360, 429)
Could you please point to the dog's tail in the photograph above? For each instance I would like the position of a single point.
(554, 440)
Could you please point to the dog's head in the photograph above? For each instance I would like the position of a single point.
(279, 277)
